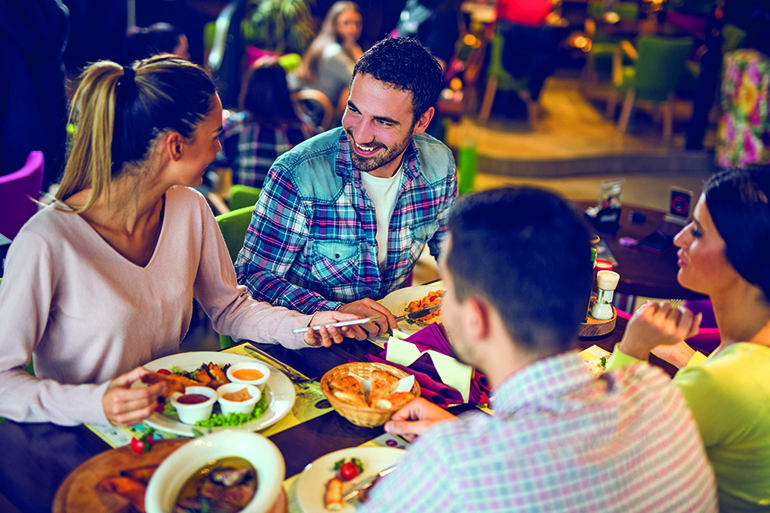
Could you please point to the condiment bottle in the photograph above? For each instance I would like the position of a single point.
(606, 282)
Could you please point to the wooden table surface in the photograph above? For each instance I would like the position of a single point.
(642, 272)
(37, 458)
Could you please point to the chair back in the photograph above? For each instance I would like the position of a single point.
(317, 106)
(659, 67)
(242, 196)
(505, 81)
(19, 193)
(233, 226)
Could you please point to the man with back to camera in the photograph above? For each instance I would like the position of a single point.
(516, 269)
(343, 217)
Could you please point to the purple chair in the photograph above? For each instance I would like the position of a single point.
(19, 193)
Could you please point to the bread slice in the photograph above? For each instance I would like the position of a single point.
(383, 383)
(395, 400)
(349, 390)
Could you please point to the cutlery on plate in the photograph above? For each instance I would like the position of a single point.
(293, 375)
(419, 313)
(367, 483)
(339, 324)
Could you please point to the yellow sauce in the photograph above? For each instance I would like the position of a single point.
(247, 374)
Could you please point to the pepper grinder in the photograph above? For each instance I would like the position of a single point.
(606, 282)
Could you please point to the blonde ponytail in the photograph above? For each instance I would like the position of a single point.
(89, 162)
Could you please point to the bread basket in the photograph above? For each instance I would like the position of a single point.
(359, 415)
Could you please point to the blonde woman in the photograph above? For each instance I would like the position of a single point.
(328, 63)
(103, 281)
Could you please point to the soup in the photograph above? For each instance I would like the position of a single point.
(226, 484)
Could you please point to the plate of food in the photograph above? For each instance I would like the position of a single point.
(412, 299)
(278, 394)
(325, 481)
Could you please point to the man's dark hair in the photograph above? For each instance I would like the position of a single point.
(739, 203)
(528, 253)
(407, 65)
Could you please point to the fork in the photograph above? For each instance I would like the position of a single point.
(295, 376)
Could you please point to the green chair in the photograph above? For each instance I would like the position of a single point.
(243, 196)
(603, 45)
(654, 76)
(499, 78)
(233, 226)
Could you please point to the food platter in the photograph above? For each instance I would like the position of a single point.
(311, 484)
(398, 301)
(278, 389)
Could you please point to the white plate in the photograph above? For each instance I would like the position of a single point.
(173, 473)
(398, 300)
(311, 485)
(279, 389)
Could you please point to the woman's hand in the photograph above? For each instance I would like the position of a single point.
(125, 406)
(326, 336)
(678, 355)
(658, 324)
(415, 418)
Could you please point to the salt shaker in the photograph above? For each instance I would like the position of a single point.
(606, 282)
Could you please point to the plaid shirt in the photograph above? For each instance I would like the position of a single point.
(249, 149)
(311, 243)
(560, 441)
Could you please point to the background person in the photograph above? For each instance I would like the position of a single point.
(153, 40)
(267, 126)
(328, 63)
(103, 281)
(723, 253)
(516, 271)
(343, 217)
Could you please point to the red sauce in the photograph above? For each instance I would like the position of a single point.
(192, 399)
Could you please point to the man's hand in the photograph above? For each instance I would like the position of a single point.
(658, 324)
(415, 418)
(125, 406)
(369, 308)
(327, 336)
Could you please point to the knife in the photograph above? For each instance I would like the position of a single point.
(368, 483)
(419, 313)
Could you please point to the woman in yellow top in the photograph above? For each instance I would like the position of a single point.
(724, 253)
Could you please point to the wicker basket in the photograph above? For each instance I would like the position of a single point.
(360, 415)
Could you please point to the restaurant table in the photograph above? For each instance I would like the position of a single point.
(643, 272)
(36, 458)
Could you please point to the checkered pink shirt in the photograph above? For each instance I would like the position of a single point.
(560, 441)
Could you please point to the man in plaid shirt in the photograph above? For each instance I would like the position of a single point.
(344, 216)
(517, 272)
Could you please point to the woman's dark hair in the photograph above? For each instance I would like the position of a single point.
(266, 95)
(737, 200)
(118, 112)
(407, 65)
(142, 43)
(527, 253)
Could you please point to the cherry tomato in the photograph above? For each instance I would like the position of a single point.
(160, 407)
(349, 471)
(164, 371)
(137, 446)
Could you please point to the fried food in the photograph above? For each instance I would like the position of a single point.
(172, 385)
(217, 373)
(333, 499)
(395, 400)
(348, 389)
(125, 487)
(383, 383)
(140, 474)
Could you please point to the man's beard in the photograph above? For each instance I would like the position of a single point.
(369, 164)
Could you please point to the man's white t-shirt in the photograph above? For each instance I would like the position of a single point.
(383, 193)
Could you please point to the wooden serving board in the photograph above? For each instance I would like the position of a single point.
(78, 493)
